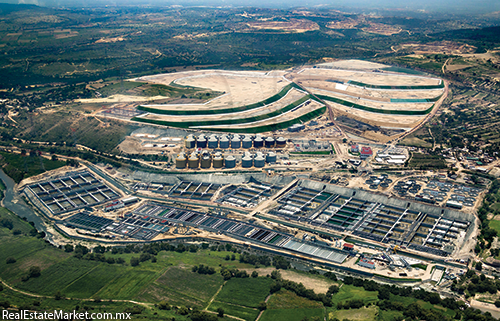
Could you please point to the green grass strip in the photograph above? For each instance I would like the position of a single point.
(267, 128)
(187, 124)
(262, 103)
(362, 84)
(414, 100)
(375, 110)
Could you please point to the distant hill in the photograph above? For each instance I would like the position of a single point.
(483, 39)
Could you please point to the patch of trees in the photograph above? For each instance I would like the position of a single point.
(255, 259)
(350, 304)
(476, 284)
(33, 272)
(227, 274)
(487, 234)
(203, 269)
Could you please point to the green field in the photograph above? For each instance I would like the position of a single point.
(423, 304)
(415, 141)
(424, 161)
(246, 292)
(494, 224)
(285, 299)
(363, 314)
(350, 292)
(246, 313)
(291, 314)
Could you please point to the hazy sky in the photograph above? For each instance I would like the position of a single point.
(458, 6)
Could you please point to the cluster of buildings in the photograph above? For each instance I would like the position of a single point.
(364, 153)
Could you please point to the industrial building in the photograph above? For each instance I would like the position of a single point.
(366, 152)
(70, 192)
(374, 217)
(247, 196)
(153, 212)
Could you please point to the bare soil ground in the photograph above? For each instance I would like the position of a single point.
(383, 105)
(382, 120)
(382, 79)
(373, 27)
(380, 95)
(240, 88)
(446, 47)
(293, 26)
(319, 285)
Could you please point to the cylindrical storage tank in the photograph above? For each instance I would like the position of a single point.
(246, 161)
(280, 142)
(230, 162)
(271, 158)
(247, 142)
(224, 142)
(258, 142)
(235, 143)
(269, 142)
(180, 161)
(259, 161)
(213, 142)
(201, 142)
(206, 161)
(190, 142)
(218, 160)
(193, 161)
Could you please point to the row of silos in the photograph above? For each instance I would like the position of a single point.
(235, 141)
(258, 160)
(205, 160)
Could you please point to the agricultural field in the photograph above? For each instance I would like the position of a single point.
(248, 292)
(424, 161)
(363, 314)
(292, 314)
